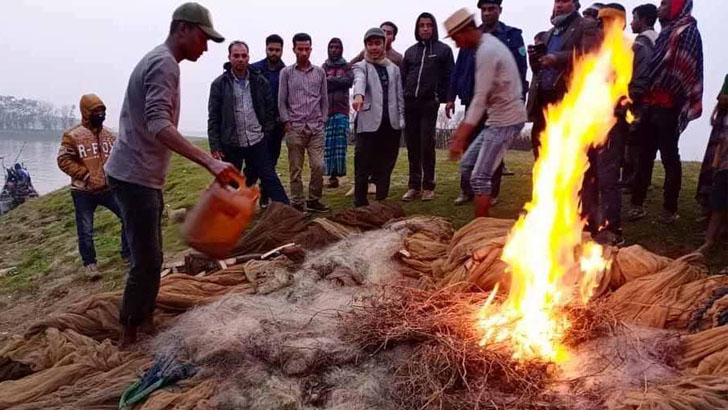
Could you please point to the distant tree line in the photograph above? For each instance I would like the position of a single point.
(26, 114)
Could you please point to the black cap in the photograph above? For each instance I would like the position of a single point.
(496, 2)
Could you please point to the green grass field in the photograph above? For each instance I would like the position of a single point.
(39, 238)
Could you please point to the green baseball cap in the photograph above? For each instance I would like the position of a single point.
(197, 14)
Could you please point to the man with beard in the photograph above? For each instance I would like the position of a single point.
(339, 79)
(462, 81)
(425, 73)
(271, 67)
(498, 92)
(241, 113)
(552, 64)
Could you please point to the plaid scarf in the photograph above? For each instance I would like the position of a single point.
(677, 63)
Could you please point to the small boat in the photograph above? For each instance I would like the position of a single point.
(17, 189)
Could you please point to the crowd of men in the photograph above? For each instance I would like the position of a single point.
(254, 108)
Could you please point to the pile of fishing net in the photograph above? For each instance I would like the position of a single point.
(384, 319)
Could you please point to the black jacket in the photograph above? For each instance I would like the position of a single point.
(426, 67)
(221, 127)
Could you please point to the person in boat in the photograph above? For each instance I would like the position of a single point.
(84, 151)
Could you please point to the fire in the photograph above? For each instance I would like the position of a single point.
(544, 244)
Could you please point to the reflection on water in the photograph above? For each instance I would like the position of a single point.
(39, 156)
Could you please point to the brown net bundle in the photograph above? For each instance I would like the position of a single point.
(669, 298)
(686, 393)
(426, 244)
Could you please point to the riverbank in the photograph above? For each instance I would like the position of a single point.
(38, 240)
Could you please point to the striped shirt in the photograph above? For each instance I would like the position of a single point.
(249, 130)
(303, 97)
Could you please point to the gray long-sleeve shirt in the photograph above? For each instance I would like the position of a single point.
(303, 97)
(151, 104)
(497, 86)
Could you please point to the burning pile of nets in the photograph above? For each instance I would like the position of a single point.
(444, 366)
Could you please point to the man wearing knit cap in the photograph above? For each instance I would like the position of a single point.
(390, 30)
(339, 79)
(498, 92)
(378, 86)
(137, 167)
(462, 80)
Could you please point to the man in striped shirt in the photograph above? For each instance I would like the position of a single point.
(303, 106)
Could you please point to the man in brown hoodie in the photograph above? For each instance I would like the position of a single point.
(84, 151)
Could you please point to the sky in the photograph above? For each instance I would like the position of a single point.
(58, 50)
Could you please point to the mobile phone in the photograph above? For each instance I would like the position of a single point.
(540, 48)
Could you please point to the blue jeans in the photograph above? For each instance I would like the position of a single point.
(86, 204)
(485, 155)
(141, 209)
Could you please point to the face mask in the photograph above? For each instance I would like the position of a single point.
(97, 120)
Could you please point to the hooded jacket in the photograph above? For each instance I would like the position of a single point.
(85, 149)
(426, 66)
(221, 126)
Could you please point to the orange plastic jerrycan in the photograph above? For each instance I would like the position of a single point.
(217, 222)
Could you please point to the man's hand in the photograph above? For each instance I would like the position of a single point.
(218, 155)
(287, 127)
(96, 183)
(358, 103)
(459, 140)
(723, 102)
(223, 171)
(549, 60)
(449, 110)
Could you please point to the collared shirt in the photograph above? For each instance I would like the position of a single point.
(246, 120)
(303, 97)
(151, 104)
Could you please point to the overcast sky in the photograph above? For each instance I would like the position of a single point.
(57, 50)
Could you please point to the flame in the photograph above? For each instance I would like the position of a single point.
(543, 245)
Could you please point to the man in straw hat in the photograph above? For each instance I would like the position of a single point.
(138, 164)
(498, 91)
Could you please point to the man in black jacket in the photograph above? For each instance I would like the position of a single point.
(241, 113)
(426, 69)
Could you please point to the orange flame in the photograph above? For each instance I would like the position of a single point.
(543, 244)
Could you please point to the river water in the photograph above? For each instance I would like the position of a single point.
(38, 155)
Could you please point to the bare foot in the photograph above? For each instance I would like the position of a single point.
(128, 336)
(148, 325)
(705, 249)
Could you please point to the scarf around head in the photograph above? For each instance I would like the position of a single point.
(677, 63)
(337, 61)
(382, 60)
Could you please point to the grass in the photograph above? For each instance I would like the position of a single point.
(39, 238)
